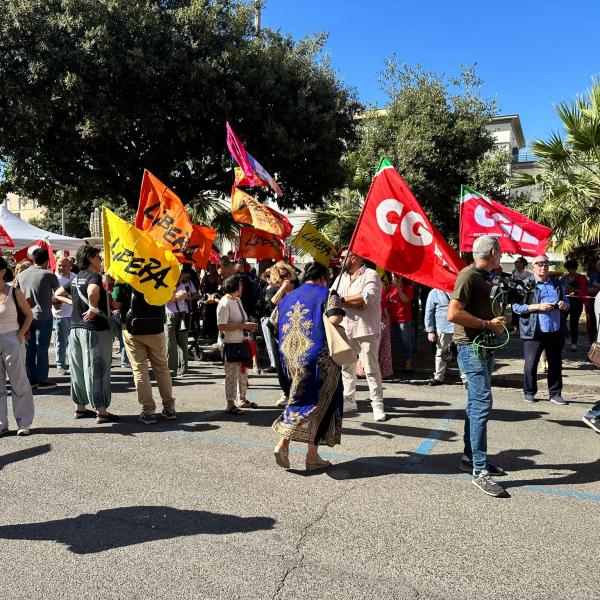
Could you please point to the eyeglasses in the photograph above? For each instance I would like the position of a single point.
(284, 275)
(542, 263)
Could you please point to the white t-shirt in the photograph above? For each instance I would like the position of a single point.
(182, 307)
(65, 309)
(230, 310)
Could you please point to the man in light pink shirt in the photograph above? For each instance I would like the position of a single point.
(360, 290)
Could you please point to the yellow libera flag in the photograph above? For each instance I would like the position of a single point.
(312, 241)
(133, 256)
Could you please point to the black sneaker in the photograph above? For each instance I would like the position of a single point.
(169, 415)
(434, 381)
(466, 465)
(46, 384)
(148, 419)
(270, 370)
(486, 484)
(592, 422)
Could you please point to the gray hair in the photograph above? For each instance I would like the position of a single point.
(483, 246)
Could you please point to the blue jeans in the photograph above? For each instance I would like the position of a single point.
(594, 412)
(401, 334)
(62, 327)
(37, 350)
(478, 371)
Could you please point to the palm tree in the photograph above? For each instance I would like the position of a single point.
(214, 212)
(569, 175)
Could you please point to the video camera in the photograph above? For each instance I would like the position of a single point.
(510, 290)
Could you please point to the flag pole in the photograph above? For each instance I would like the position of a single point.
(355, 230)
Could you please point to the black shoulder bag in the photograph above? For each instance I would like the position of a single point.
(237, 351)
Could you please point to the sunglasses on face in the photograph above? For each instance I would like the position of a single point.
(542, 263)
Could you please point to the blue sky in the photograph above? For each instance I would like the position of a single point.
(530, 55)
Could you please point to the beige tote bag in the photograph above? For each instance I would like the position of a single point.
(339, 349)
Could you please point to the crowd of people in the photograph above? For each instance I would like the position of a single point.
(289, 311)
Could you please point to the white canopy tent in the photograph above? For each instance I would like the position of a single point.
(24, 234)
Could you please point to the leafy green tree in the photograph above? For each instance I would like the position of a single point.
(94, 91)
(434, 133)
(568, 175)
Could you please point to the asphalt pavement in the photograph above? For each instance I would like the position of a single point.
(198, 508)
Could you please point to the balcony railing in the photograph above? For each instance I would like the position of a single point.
(523, 157)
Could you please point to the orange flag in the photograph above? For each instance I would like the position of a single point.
(255, 243)
(198, 250)
(248, 210)
(162, 214)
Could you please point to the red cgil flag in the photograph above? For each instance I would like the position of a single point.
(395, 233)
(480, 215)
(27, 253)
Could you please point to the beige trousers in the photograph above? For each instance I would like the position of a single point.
(141, 349)
(236, 383)
(367, 348)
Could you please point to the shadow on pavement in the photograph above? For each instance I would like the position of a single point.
(20, 455)
(129, 525)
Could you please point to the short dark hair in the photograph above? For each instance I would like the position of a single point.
(314, 271)
(571, 264)
(224, 261)
(85, 255)
(3, 264)
(40, 256)
(232, 284)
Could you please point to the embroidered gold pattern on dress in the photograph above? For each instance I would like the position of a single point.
(297, 345)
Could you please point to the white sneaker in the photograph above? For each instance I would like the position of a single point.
(378, 412)
(350, 406)
(282, 400)
(23, 431)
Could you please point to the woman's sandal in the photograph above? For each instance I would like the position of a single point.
(315, 466)
(246, 404)
(234, 410)
(282, 457)
(85, 414)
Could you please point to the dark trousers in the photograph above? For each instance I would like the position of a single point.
(552, 343)
(575, 310)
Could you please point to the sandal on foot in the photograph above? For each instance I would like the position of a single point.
(315, 466)
(85, 414)
(234, 410)
(246, 404)
(107, 418)
(282, 457)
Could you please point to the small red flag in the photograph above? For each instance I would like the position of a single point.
(27, 253)
(395, 233)
(480, 215)
(199, 248)
(5, 239)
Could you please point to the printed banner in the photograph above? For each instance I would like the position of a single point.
(313, 242)
(162, 214)
(255, 243)
(198, 251)
(395, 233)
(480, 215)
(248, 210)
(134, 257)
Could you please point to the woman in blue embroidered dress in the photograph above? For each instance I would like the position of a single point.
(314, 411)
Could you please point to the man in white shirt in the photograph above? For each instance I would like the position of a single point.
(360, 291)
(61, 311)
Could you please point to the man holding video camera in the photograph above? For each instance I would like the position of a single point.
(541, 330)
